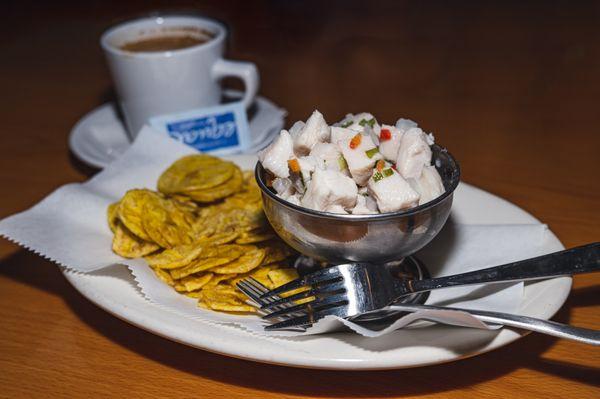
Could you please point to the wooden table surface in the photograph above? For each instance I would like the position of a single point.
(512, 88)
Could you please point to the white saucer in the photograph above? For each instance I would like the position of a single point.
(100, 136)
(114, 290)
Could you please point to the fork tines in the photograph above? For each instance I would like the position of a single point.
(286, 310)
(253, 289)
(328, 287)
(321, 277)
(323, 294)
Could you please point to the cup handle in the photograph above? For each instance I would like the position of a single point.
(246, 71)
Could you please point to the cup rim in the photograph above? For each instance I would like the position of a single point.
(215, 41)
(363, 218)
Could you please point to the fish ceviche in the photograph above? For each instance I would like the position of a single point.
(355, 166)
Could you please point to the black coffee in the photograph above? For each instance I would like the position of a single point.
(163, 43)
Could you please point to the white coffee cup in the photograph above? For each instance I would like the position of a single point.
(162, 82)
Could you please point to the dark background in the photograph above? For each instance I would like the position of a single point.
(435, 61)
(524, 75)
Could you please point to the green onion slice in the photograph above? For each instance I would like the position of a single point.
(371, 122)
(387, 172)
(342, 162)
(371, 153)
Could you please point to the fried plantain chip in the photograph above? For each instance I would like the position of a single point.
(112, 214)
(195, 172)
(127, 245)
(282, 276)
(175, 257)
(164, 276)
(211, 257)
(224, 297)
(217, 278)
(222, 238)
(250, 260)
(167, 229)
(260, 274)
(277, 251)
(131, 211)
(254, 237)
(196, 282)
(227, 307)
(198, 266)
(219, 192)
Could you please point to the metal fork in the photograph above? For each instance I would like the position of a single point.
(353, 289)
(254, 289)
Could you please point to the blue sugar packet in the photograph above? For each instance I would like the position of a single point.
(220, 130)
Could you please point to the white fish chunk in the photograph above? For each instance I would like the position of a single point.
(327, 188)
(414, 153)
(296, 129)
(365, 205)
(325, 152)
(347, 120)
(328, 156)
(371, 204)
(314, 131)
(430, 139)
(294, 199)
(357, 122)
(274, 158)
(359, 163)
(389, 147)
(300, 179)
(341, 133)
(404, 124)
(283, 187)
(373, 132)
(298, 183)
(308, 164)
(429, 185)
(392, 193)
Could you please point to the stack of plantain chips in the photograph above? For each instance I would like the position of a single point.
(202, 232)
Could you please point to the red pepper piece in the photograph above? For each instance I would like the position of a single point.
(385, 135)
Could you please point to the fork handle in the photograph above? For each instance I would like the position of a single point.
(584, 259)
(547, 327)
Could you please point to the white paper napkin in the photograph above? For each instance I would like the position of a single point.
(69, 227)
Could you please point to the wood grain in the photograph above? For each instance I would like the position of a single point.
(512, 88)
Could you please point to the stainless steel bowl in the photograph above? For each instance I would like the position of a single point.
(385, 237)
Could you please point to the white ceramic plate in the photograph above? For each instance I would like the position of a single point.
(100, 137)
(115, 291)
